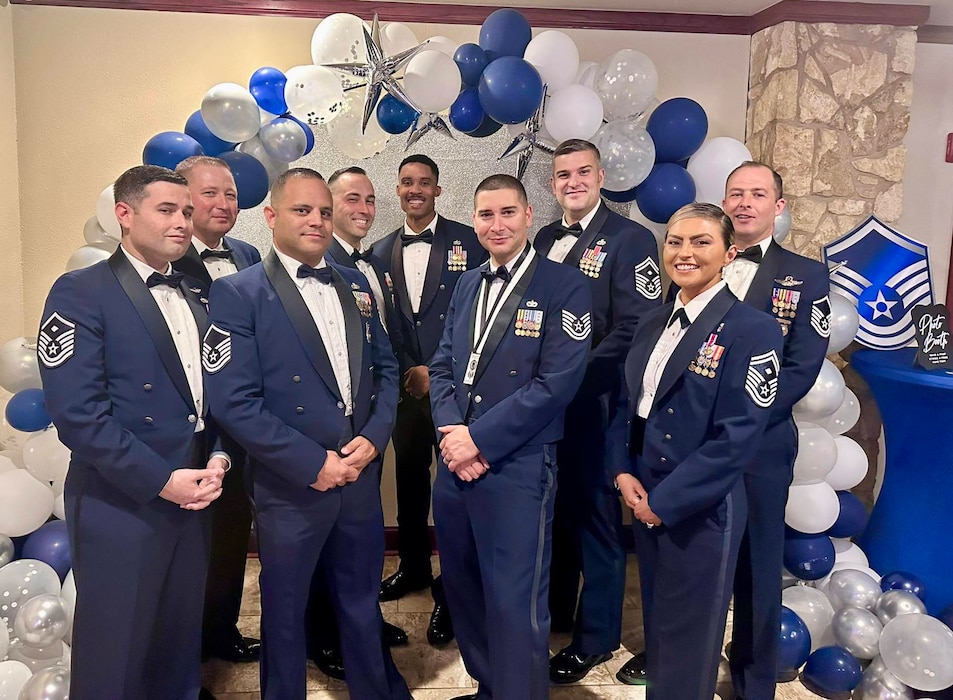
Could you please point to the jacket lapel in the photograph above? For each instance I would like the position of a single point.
(339, 255)
(545, 238)
(155, 324)
(759, 292)
(239, 260)
(353, 327)
(398, 278)
(301, 320)
(438, 258)
(191, 264)
(588, 236)
(638, 358)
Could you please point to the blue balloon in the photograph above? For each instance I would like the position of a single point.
(809, 557)
(505, 33)
(267, 86)
(852, 519)
(466, 114)
(831, 670)
(487, 128)
(946, 616)
(394, 116)
(903, 581)
(471, 60)
(170, 148)
(678, 127)
(795, 643)
(309, 135)
(26, 411)
(251, 178)
(620, 197)
(510, 90)
(50, 544)
(210, 143)
(667, 188)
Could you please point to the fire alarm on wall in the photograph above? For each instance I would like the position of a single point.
(949, 148)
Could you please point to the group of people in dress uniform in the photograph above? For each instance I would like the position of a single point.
(200, 386)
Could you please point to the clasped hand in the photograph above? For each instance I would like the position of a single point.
(342, 469)
(637, 498)
(461, 454)
(195, 489)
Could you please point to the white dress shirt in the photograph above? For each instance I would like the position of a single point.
(185, 334)
(217, 267)
(371, 276)
(325, 306)
(739, 274)
(561, 248)
(416, 259)
(666, 345)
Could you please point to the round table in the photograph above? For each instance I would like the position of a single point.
(911, 526)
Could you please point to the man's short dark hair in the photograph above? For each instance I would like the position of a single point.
(502, 182)
(131, 186)
(576, 146)
(350, 170)
(778, 182)
(423, 160)
(278, 186)
(186, 166)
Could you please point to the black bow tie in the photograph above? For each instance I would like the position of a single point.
(499, 273)
(365, 256)
(321, 274)
(681, 317)
(562, 231)
(157, 278)
(425, 237)
(209, 253)
(754, 254)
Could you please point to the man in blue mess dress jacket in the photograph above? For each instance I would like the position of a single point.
(423, 260)
(620, 259)
(213, 254)
(120, 357)
(301, 373)
(511, 359)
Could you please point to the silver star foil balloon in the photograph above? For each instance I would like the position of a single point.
(426, 122)
(379, 71)
(527, 141)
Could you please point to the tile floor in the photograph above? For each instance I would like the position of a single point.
(438, 674)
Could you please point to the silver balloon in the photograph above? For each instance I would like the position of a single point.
(824, 397)
(43, 620)
(628, 154)
(844, 322)
(37, 658)
(893, 603)
(18, 367)
(230, 112)
(283, 139)
(256, 150)
(21, 580)
(878, 683)
(918, 649)
(858, 631)
(626, 82)
(852, 588)
(782, 225)
(6, 550)
(47, 684)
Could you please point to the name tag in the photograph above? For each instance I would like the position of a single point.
(471, 368)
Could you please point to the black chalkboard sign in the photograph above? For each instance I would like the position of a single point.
(932, 324)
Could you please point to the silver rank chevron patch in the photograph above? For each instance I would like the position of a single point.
(761, 382)
(821, 316)
(56, 341)
(648, 283)
(216, 349)
(577, 327)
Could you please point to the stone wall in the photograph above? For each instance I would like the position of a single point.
(828, 108)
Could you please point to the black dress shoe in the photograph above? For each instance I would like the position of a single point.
(242, 650)
(465, 697)
(440, 629)
(397, 585)
(330, 663)
(570, 667)
(393, 635)
(205, 694)
(633, 673)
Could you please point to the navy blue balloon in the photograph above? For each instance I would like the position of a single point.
(620, 197)
(852, 519)
(170, 148)
(795, 643)
(487, 128)
(251, 178)
(510, 90)
(678, 127)
(394, 116)
(26, 411)
(309, 135)
(809, 557)
(50, 544)
(471, 60)
(210, 143)
(505, 32)
(946, 616)
(832, 670)
(267, 86)
(667, 188)
(903, 581)
(466, 114)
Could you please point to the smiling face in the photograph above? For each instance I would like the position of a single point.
(417, 190)
(501, 221)
(215, 199)
(354, 207)
(694, 252)
(159, 229)
(577, 179)
(752, 202)
(300, 219)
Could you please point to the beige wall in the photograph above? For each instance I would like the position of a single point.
(11, 271)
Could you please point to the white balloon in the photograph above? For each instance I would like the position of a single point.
(628, 154)
(847, 552)
(657, 229)
(846, 415)
(45, 457)
(574, 112)
(38, 658)
(339, 38)
(850, 467)
(556, 58)
(814, 609)
(586, 74)
(811, 508)
(816, 454)
(106, 214)
(6, 465)
(432, 80)
(844, 323)
(14, 455)
(313, 94)
(345, 131)
(824, 396)
(397, 37)
(25, 503)
(230, 112)
(68, 594)
(626, 82)
(712, 163)
(13, 676)
(18, 367)
(4, 641)
(86, 256)
(782, 225)
(94, 233)
(918, 649)
(10, 437)
(22, 580)
(443, 44)
(256, 150)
